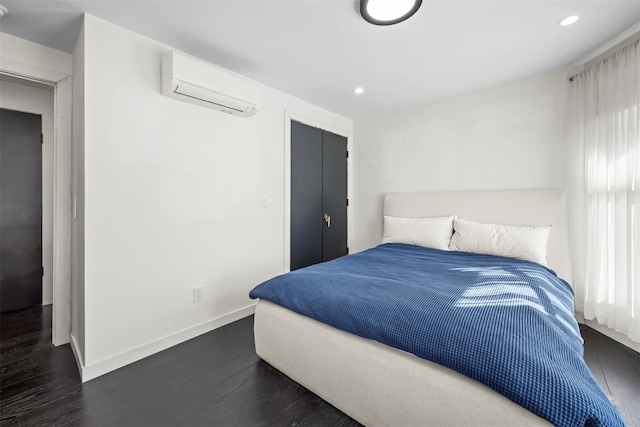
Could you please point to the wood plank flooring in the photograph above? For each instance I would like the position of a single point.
(617, 369)
(212, 380)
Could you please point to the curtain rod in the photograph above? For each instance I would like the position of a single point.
(634, 38)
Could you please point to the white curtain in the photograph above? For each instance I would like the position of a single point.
(604, 158)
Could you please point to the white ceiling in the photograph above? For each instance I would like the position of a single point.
(320, 50)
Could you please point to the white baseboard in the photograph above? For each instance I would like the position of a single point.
(614, 335)
(105, 366)
(604, 330)
(76, 353)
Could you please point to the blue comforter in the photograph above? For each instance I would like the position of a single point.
(503, 322)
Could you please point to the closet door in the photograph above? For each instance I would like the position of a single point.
(334, 196)
(318, 196)
(306, 196)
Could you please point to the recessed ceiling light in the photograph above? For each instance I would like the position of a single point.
(388, 12)
(358, 90)
(569, 20)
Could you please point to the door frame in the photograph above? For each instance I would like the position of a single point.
(61, 274)
(313, 122)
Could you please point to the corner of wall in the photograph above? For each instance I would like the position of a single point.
(77, 201)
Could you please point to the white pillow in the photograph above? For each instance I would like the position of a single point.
(528, 243)
(428, 232)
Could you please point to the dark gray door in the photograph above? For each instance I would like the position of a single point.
(318, 196)
(20, 210)
(334, 196)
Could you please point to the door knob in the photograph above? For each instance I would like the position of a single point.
(327, 219)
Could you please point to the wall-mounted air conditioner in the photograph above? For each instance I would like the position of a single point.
(192, 80)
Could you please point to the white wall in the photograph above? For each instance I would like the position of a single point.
(505, 137)
(38, 99)
(172, 201)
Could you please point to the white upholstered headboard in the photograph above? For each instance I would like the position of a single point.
(511, 207)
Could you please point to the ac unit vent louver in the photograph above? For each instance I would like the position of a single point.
(195, 81)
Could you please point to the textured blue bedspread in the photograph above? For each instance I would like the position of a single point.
(506, 323)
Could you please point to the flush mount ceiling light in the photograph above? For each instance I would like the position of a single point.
(358, 90)
(569, 20)
(388, 12)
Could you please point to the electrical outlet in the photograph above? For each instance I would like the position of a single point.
(197, 294)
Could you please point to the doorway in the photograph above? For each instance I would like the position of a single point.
(36, 99)
(21, 267)
(318, 225)
(36, 65)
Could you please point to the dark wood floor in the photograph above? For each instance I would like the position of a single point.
(617, 369)
(213, 380)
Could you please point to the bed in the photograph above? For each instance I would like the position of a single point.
(380, 385)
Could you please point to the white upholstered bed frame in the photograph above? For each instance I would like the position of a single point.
(381, 386)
